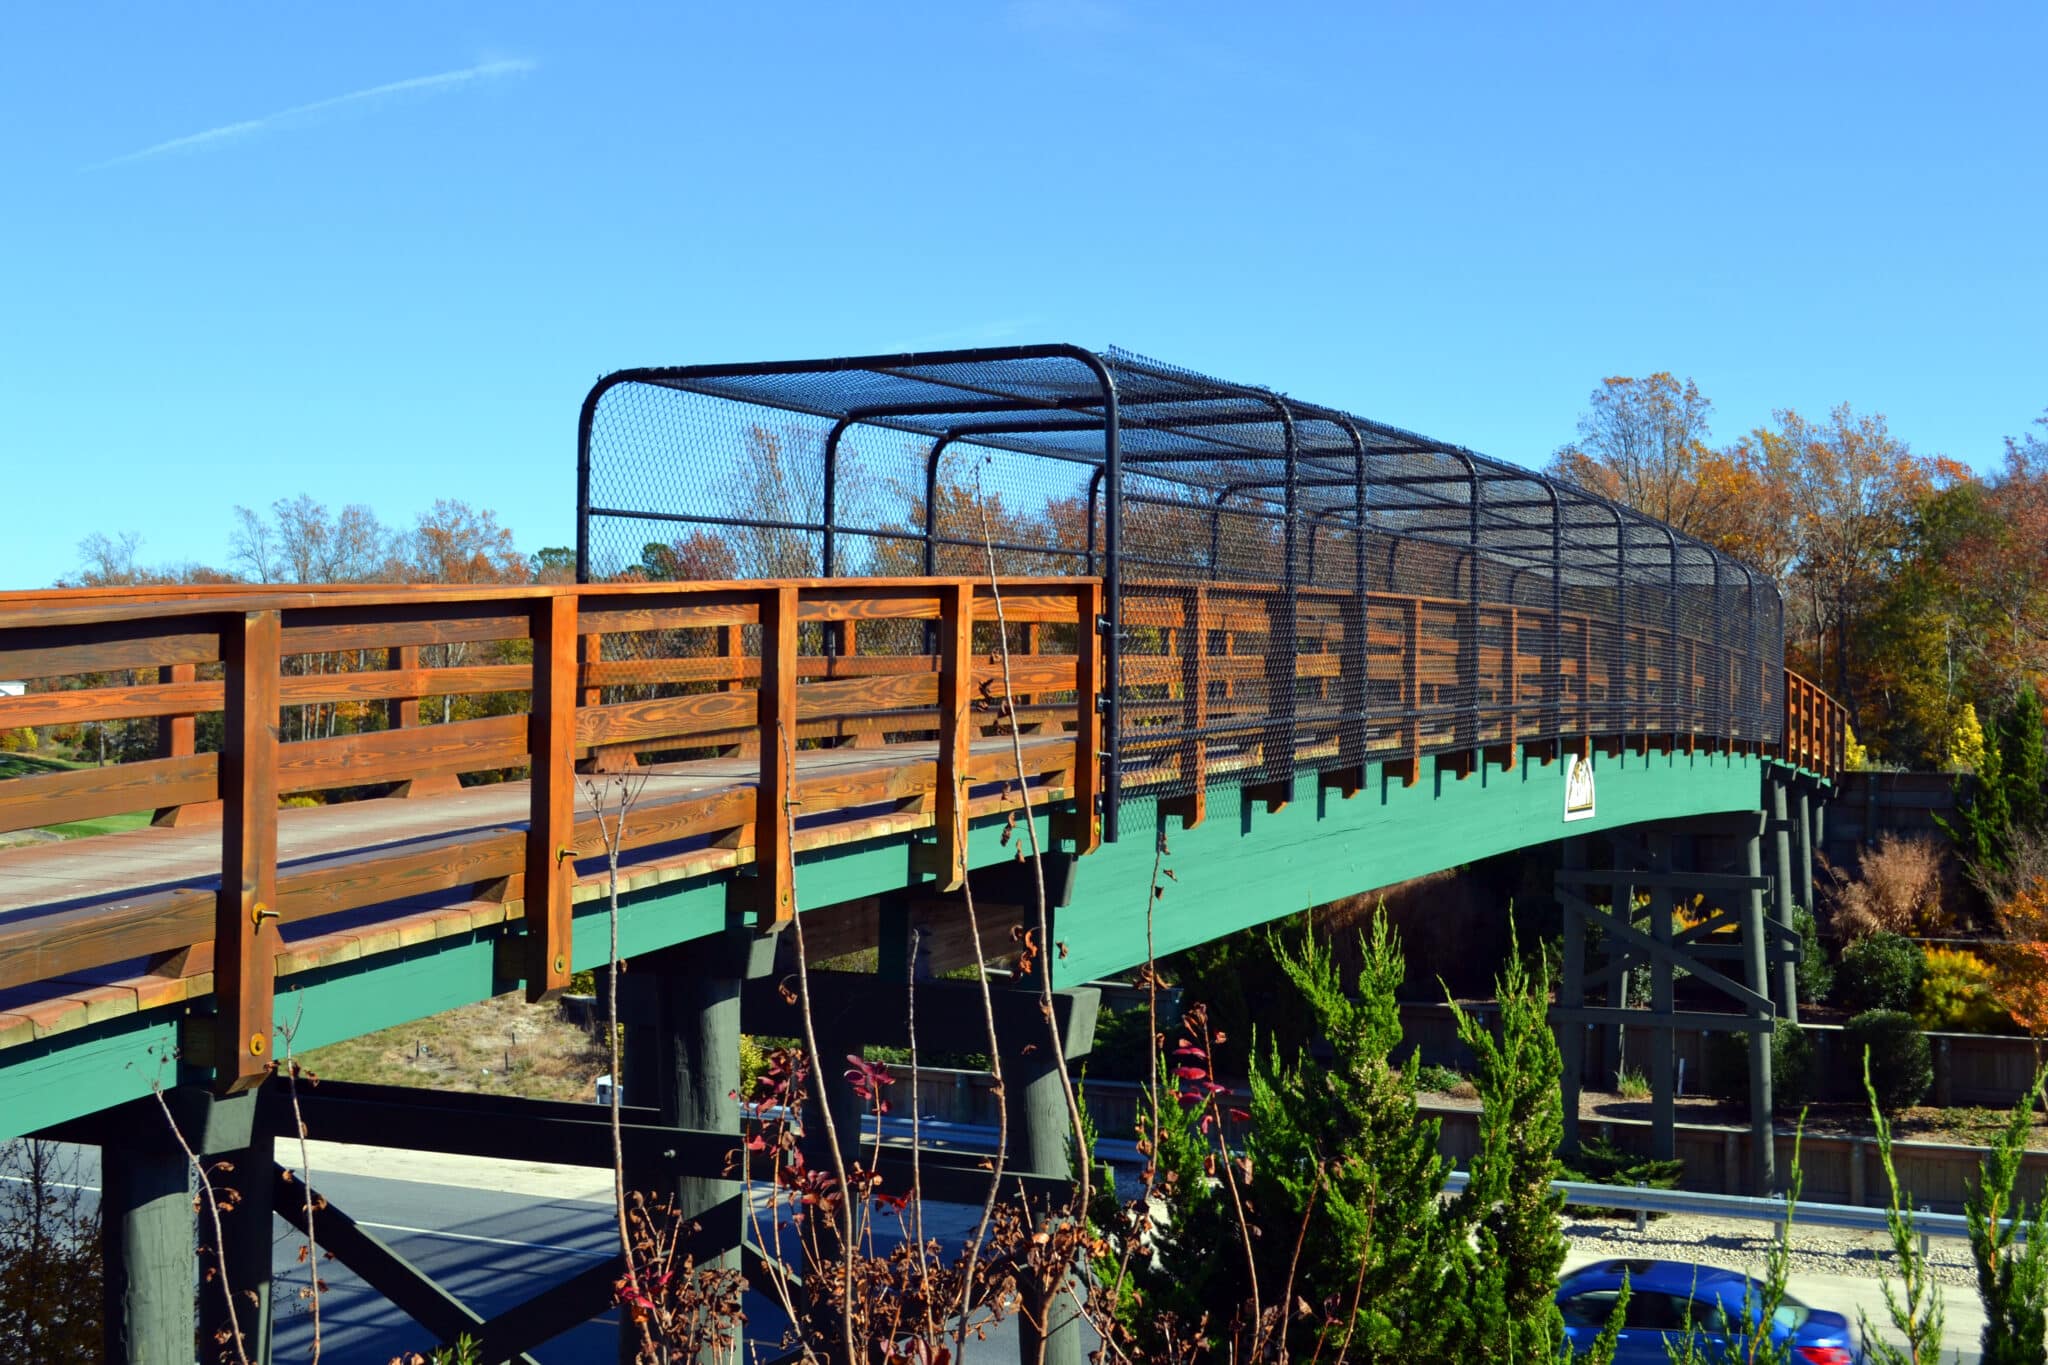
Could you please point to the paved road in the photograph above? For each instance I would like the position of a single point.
(496, 1233)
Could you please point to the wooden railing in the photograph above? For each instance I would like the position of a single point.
(607, 672)
(1406, 676)
(1816, 735)
(762, 676)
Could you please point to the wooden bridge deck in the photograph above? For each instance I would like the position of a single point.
(757, 723)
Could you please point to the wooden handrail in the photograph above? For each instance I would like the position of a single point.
(225, 651)
(613, 671)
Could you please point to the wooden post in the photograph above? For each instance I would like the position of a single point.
(1194, 676)
(550, 832)
(1089, 685)
(1466, 731)
(1585, 677)
(245, 937)
(1511, 662)
(593, 652)
(403, 713)
(1411, 691)
(956, 732)
(175, 734)
(774, 859)
(176, 738)
(732, 644)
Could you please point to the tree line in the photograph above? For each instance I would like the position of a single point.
(301, 541)
(1915, 589)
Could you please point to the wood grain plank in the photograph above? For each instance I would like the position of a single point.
(63, 942)
(323, 630)
(332, 886)
(735, 608)
(1029, 673)
(404, 683)
(397, 755)
(849, 696)
(918, 604)
(88, 793)
(661, 718)
(75, 706)
(56, 652)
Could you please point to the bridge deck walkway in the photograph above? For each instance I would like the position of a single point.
(769, 721)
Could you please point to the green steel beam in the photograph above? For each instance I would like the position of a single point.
(1244, 865)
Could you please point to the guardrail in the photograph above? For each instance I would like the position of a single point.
(945, 1135)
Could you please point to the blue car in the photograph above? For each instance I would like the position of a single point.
(1664, 1295)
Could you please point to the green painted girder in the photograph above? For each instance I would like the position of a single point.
(1240, 867)
(1244, 866)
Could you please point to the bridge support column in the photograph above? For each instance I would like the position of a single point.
(1571, 995)
(1808, 809)
(1040, 1141)
(1786, 979)
(236, 1152)
(146, 1221)
(1621, 906)
(1663, 1105)
(1763, 1156)
(684, 1020)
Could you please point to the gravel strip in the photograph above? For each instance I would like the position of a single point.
(1741, 1243)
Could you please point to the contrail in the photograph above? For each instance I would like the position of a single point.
(445, 80)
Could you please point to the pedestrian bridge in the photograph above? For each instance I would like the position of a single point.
(860, 633)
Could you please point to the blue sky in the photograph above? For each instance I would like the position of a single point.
(378, 253)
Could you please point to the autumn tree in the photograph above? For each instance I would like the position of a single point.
(771, 491)
(1996, 567)
(699, 557)
(1643, 443)
(457, 543)
(1847, 489)
(302, 542)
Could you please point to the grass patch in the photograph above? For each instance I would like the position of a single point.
(36, 765)
(42, 765)
(502, 1046)
(105, 824)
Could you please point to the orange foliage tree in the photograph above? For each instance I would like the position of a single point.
(2022, 960)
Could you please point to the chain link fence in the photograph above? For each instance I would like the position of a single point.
(1286, 586)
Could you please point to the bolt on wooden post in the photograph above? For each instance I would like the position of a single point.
(245, 930)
